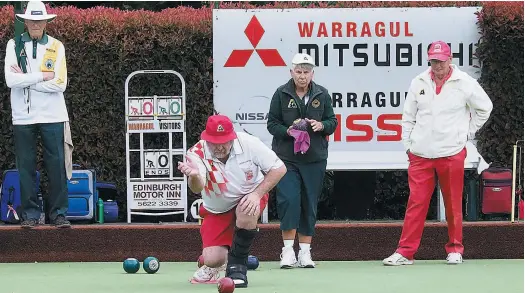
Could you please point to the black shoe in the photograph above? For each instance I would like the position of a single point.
(29, 224)
(61, 222)
(238, 273)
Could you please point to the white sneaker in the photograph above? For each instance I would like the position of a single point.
(288, 259)
(207, 275)
(397, 259)
(305, 259)
(454, 258)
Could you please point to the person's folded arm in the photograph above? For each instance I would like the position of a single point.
(14, 79)
(59, 82)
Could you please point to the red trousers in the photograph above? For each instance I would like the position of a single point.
(422, 181)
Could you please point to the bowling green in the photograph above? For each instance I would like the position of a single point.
(477, 276)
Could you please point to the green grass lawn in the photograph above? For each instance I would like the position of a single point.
(476, 276)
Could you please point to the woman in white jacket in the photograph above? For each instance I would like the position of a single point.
(444, 108)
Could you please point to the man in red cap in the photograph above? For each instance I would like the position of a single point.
(444, 108)
(234, 173)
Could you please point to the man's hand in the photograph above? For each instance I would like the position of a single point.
(189, 168)
(250, 204)
(16, 69)
(49, 76)
(316, 125)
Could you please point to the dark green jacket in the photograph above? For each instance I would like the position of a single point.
(286, 107)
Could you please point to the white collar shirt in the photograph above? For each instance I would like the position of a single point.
(244, 170)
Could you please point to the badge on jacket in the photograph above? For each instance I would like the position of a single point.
(422, 92)
(316, 103)
(49, 64)
(292, 104)
(50, 58)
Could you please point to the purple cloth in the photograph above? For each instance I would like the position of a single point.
(301, 141)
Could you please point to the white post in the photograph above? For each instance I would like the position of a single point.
(441, 206)
(264, 215)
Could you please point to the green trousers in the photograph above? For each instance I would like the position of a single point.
(52, 135)
(297, 196)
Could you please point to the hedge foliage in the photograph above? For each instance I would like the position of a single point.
(104, 45)
(501, 51)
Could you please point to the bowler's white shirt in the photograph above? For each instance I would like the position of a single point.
(227, 183)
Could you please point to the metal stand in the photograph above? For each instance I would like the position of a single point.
(158, 187)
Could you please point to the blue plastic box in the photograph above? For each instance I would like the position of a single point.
(82, 195)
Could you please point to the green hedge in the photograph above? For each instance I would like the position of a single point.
(104, 45)
(501, 50)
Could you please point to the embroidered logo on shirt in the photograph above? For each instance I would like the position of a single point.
(249, 175)
(292, 104)
(422, 92)
(49, 63)
(316, 103)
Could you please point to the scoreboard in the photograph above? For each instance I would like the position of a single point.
(155, 142)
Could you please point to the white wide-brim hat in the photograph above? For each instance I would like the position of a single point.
(36, 10)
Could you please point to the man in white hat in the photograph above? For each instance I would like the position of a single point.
(35, 70)
(299, 190)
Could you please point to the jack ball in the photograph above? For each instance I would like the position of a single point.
(226, 285)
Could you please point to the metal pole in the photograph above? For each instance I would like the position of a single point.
(514, 151)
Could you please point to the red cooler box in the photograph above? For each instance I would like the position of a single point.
(496, 190)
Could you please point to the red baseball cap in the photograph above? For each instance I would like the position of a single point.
(439, 50)
(219, 129)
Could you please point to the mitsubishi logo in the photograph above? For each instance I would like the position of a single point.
(254, 32)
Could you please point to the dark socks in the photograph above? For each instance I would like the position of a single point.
(242, 242)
